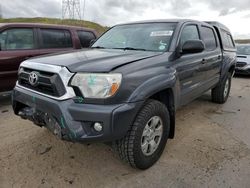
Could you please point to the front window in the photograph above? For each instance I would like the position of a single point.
(244, 50)
(146, 37)
(190, 32)
(17, 39)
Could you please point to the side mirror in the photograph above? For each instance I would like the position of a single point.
(193, 46)
(92, 42)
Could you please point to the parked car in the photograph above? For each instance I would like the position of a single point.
(19, 42)
(243, 59)
(128, 86)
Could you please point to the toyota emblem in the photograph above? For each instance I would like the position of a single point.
(33, 78)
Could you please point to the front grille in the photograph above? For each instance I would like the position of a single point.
(48, 83)
(241, 64)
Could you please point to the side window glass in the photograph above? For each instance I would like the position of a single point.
(227, 40)
(208, 38)
(3, 36)
(190, 32)
(56, 38)
(230, 41)
(85, 38)
(17, 39)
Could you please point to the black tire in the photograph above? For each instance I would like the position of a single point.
(218, 93)
(129, 148)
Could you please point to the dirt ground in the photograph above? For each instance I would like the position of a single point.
(211, 149)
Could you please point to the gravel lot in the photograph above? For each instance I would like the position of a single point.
(211, 149)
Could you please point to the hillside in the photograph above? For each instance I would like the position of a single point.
(243, 41)
(100, 29)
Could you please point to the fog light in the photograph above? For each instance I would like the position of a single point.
(98, 127)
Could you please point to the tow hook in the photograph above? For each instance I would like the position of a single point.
(26, 113)
(31, 114)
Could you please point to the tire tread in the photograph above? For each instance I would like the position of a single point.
(217, 93)
(125, 146)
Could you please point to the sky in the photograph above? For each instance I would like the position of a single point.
(235, 14)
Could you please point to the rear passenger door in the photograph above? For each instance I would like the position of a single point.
(85, 38)
(211, 56)
(54, 40)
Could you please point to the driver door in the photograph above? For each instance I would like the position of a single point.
(190, 67)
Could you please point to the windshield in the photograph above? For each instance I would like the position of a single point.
(146, 37)
(244, 49)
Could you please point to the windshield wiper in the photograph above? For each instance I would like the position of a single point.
(98, 47)
(130, 48)
(126, 48)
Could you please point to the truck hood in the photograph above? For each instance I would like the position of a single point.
(94, 60)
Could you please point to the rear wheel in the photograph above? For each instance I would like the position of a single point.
(221, 92)
(147, 137)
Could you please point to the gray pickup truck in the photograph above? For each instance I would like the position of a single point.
(126, 88)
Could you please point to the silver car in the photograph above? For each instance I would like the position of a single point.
(243, 59)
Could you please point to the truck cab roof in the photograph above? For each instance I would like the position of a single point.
(180, 21)
(219, 25)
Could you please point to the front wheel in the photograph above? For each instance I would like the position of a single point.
(147, 137)
(221, 92)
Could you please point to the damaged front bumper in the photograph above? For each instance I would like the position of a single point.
(74, 121)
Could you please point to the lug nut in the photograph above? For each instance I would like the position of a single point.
(98, 127)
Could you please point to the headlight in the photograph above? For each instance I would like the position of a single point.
(97, 85)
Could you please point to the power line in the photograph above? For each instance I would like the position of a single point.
(71, 9)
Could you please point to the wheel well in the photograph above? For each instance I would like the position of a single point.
(167, 97)
(231, 69)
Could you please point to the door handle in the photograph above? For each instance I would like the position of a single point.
(219, 56)
(203, 61)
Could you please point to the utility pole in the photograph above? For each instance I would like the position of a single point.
(71, 9)
(84, 5)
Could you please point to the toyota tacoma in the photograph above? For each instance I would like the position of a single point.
(126, 88)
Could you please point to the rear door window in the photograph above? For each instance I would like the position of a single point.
(208, 37)
(189, 32)
(56, 38)
(17, 39)
(85, 38)
(227, 40)
(230, 41)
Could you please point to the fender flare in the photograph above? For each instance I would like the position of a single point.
(226, 67)
(153, 86)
